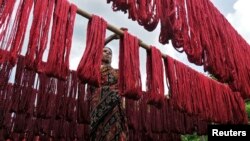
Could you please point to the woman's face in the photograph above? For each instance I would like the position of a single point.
(107, 55)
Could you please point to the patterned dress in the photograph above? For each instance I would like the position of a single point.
(108, 122)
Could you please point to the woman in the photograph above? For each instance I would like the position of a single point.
(108, 121)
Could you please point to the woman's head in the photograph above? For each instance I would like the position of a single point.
(107, 56)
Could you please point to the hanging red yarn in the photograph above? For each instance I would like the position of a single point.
(20, 122)
(223, 48)
(17, 85)
(60, 45)
(5, 102)
(132, 10)
(119, 5)
(155, 84)
(27, 98)
(5, 72)
(57, 48)
(61, 99)
(218, 46)
(145, 12)
(166, 31)
(239, 109)
(148, 12)
(129, 67)
(144, 113)
(46, 99)
(19, 29)
(192, 26)
(83, 107)
(193, 93)
(39, 32)
(6, 11)
(131, 112)
(157, 119)
(72, 101)
(23, 98)
(69, 34)
(90, 64)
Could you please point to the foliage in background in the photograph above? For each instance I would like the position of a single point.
(193, 137)
(248, 109)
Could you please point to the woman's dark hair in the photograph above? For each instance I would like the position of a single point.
(109, 49)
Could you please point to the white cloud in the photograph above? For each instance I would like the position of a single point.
(240, 18)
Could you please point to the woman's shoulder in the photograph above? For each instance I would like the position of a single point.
(116, 72)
